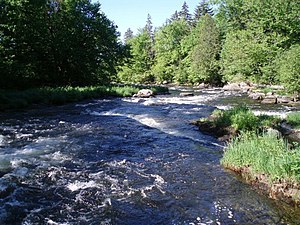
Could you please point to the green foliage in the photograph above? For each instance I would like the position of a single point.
(265, 154)
(256, 32)
(205, 53)
(288, 69)
(294, 119)
(241, 118)
(138, 68)
(55, 43)
(243, 56)
(168, 50)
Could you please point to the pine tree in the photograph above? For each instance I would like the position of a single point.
(202, 9)
(128, 35)
(185, 14)
(149, 27)
(174, 17)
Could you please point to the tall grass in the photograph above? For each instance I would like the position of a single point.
(265, 154)
(294, 119)
(62, 95)
(241, 118)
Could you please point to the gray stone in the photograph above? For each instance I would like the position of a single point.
(144, 93)
(257, 95)
(203, 85)
(232, 87)
(271, 99)
(284, 99)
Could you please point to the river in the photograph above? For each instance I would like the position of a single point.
(125, 161)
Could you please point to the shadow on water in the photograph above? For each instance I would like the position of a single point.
(124, 161)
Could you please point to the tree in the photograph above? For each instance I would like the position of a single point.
(149, 27)
(184, 13)
(56, 42)
(202, 9)
(137, 69)
(175, 16)
(205, 54)
(288, 69)
(244, 56)
(128, 35)
(263, 29)
(167, 47)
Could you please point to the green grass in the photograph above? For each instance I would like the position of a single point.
(11, 99)
(265, 154)
(294, 119)
(241, 118)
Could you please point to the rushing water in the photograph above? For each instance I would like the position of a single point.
(124, 161)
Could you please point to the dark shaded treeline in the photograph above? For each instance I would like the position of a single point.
(56, 43)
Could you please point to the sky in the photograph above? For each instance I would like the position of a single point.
(133, 13)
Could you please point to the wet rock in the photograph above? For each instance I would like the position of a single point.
(271, 99)
(203, 86)
(144, 93)
(270, 93)
(186, 94)
(243, 86)
(284, 99)
(293, 135)
(274, 132)
(232, 87)
(257, 95)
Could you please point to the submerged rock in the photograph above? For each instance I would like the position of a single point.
(186, 94)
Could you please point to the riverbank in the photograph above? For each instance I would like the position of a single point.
(15, 99)
(257, 152)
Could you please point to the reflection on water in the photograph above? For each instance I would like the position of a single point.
(124, 161)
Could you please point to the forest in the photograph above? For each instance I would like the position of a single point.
(73, 43)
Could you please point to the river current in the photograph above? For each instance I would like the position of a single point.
(125, 161)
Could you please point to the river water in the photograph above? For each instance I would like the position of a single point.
(125, 161)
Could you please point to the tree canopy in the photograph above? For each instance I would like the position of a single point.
(54, 42)
(72, 42)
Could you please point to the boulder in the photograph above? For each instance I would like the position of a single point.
(232, 87)
(186, 94)
(271, 99)
(293, 135)
(257, 95)
(243, 86)
(144, 93)
(202, 86)
(284, 99)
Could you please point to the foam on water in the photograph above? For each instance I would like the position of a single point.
(77, 185)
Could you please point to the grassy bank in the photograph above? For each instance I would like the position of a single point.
(265, 154)
(229, 123)
(11, 99)
(258, 153)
